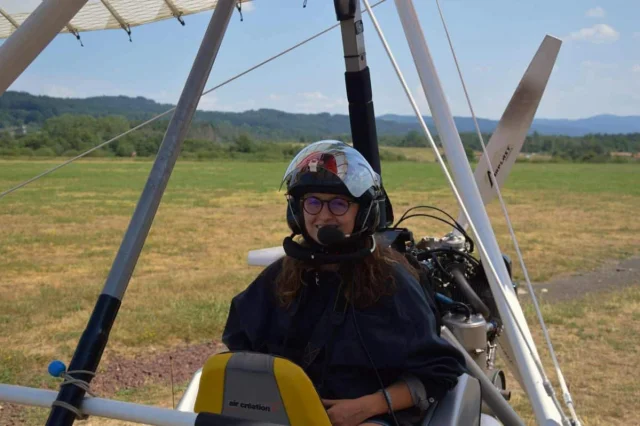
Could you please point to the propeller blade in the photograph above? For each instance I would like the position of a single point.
(507, 140)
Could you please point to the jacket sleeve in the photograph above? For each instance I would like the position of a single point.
(250, 313)
(429, 357)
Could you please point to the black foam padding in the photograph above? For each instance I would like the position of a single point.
(86, 357)
(329, 235)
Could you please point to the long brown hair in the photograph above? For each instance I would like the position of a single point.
(369, 279)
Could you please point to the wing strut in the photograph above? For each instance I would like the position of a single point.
(9, 18)
(175, 11)
(470, 202)
(117, 17)
(94, 339)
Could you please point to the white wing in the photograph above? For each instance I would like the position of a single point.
(104, 14)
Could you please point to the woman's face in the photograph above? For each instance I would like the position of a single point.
(343, 215)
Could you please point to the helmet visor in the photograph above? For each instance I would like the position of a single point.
(337, 158)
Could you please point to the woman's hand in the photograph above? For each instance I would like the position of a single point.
(347, 412)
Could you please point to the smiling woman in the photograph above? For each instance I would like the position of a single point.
(338, 271)
(340, 214)
(347, 309)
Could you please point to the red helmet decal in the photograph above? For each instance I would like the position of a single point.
(319, 159)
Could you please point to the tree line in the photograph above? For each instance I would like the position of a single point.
(588, 148)
(71, 134)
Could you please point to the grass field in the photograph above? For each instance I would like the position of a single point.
(59, 236)
(597, 340)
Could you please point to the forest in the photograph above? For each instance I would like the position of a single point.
(44, 126)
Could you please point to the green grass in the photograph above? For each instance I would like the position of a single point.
(597, 343)
(104, 177)
(59, 236)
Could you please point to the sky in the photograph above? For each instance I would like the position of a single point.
(597, 71)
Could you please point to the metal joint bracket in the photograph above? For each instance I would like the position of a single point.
(175, 12)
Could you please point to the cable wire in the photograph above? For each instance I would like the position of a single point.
(567, 396)
(284, 52)
(453, 187)
(423, 215)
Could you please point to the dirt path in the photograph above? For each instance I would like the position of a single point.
(613, 276)
(123, 373)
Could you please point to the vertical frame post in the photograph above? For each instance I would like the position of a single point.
(359, 93)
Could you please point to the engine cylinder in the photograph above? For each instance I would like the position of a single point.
(471, 333)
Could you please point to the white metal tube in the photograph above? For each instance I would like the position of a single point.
(138, 230)
(100, 407)
(505, 298)
(490, 393)
(35, 33)
(188, 401)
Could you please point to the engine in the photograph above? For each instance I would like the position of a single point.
(457, 282)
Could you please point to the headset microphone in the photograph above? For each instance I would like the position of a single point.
(330, 234)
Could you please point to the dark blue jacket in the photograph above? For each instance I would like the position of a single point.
(399, 332)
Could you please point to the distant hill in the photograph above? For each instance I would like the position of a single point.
(609, 124)
(18, 108)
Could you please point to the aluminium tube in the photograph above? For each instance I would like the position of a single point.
(471, 296)
(490, 394)
(94, 339)
(506, 300)
(125, 411)
(362, 119)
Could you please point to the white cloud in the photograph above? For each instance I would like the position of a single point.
(599, 33)
(316, 102)
(275, 97)
(313, 96)
(67, 86)
(596, 12)
(162, 96)
(20, 6)
(209, 102)
(598, 66)
(482, 68)
(636, 68)
(58, 91)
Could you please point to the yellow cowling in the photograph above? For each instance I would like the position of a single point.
(259, 387)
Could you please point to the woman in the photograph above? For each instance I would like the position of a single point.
(348, 311)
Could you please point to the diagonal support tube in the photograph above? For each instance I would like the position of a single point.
(131, 247)
(516, 330)
(35, 33)
(490, 393)
(94, 339)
